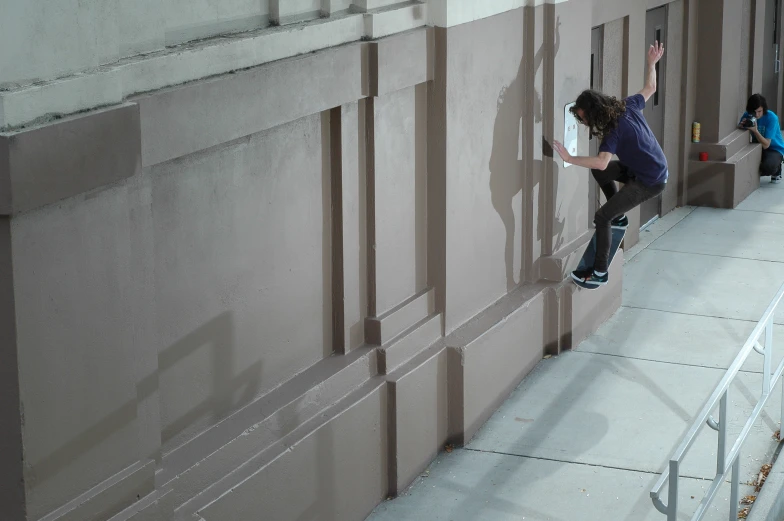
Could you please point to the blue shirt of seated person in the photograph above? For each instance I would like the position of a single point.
(767, 123)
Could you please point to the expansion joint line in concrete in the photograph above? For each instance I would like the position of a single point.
(555, 460)
(641, 359)
(689, 314)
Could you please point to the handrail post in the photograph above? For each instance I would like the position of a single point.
(721, 451)
(768, 357)
(672, 499)
(734, 490)
(720, 397)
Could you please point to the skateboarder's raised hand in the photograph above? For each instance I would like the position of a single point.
(655, 52)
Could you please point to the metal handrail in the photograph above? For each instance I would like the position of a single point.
(724, 461)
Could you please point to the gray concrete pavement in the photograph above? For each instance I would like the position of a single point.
(586, 434)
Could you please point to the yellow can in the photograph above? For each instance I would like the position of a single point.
(695, 132)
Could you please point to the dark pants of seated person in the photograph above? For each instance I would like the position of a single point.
(771, 162)
(618, 203)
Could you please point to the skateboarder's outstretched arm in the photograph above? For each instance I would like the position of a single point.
(599, 162)
(655, 52)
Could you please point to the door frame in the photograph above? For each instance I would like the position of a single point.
(654, 206)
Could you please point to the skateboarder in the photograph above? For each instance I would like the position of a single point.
(642, 167)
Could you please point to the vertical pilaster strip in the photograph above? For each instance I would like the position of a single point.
(420, 185)
(551, 322)
(436, 171)
(370, 162)
(274, 11)
(757, 41)
(689, 90)
(392, 448)
(676, 129)
(527, 132)
(6, 204)
(373, 68)
(566, 301)
(338, 275)
(625, 59)
(548, 126)
(12, 488)
(711, 15)
(455, 382)
(327, 248)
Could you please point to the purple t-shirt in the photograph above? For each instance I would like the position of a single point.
(636, 146)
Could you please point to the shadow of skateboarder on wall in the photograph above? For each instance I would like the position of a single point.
(508, 159)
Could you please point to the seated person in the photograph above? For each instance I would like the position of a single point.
(766, 131)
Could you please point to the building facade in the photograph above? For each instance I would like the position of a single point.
(263, 260)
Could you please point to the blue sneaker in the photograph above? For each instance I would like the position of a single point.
(620, 223)
(590, 278)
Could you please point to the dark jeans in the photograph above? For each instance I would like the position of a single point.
(618, 203)
(771, 162)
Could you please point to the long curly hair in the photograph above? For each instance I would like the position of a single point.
(600, 112)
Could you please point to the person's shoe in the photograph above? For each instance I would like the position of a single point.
(620, 223)
(579, 275)
(775, 178)
(590, 277)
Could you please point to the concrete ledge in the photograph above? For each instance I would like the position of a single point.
(149, 508)
(418, 400)
(401, 61)
(490, 355)
(284, 12)
(110, 497)
(723, 150)
(556, 267)
(195, 61)
(381, 330)
(182, 120)
(390, 21)
(175, 66)
(724, 184)
(337, 470)
(457, 12)
(409, 343)
(364, 6)
(43, 165)
(221, 449)
(747, 178)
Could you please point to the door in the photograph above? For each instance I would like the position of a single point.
(655, 31)
(597, 37)
(770, 55)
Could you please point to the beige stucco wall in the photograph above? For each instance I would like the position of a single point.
(84, 338)
(400, 197)
(235, 330)
(484, 174)
(359, 267)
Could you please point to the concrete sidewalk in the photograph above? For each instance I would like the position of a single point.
(587, 434)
